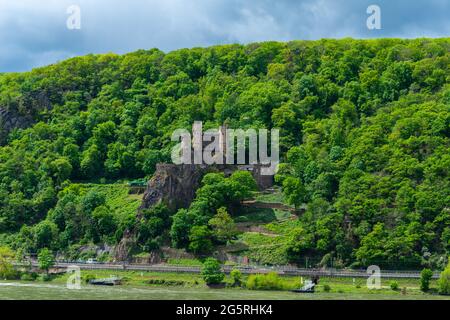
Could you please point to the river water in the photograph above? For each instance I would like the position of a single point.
(50, 291)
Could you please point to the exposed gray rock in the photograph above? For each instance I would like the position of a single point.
(10, 121)
(175, 185)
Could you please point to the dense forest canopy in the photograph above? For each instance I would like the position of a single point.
(365, 128)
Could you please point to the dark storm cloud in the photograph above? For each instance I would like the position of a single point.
(34, 33)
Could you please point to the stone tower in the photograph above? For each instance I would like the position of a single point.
(223, 143)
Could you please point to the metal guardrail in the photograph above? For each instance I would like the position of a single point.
(281, 270)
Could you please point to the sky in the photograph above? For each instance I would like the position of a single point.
(34, 33)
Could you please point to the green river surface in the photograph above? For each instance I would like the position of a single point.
(10, 290)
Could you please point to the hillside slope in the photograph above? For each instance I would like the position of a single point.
(364, 141)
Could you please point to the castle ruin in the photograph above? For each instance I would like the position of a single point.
(176, 184)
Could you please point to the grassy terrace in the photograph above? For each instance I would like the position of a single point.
(265, 232)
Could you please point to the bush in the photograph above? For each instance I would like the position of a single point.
(104, 257)
(184, 262)
(6, 266)
(89, 277)
(444, 281)
(45, 259)
(211, 271)
(326, 288)
(236, 276)
(200, 240)
(29, 276)
(270, 281)
(394, 285)
(425, 278)
(166, 282)
(45, 277)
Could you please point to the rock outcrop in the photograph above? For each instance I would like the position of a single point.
(122, 251)
(175, 185)
(10, 121)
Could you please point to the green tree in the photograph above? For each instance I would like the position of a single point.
(212, 272)
(45, 259)
(6, 259)
(425, 278)
(91, 162)
(242, 184)
(236, 276)
(372, 249)
(45, 234)
(444, 281)
(179, 232)
(104, 222)
(223, 226)
(62, 169)
(294, 191)
(200, 240)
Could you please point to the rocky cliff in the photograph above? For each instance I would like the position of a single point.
(10, 121)
(174, 185)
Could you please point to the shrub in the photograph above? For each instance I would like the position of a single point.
(224, 228)
(166, 282)
(211, 271)
(89, 277)
(270, 281)
(326, 288)
(236, 276)
(184, 262)
(45, 259)
(104, 257)
(444, 281)
(29, 276)
(200, 240)
(6, 266)
(425, 278)
(45, 277)
(394, 285)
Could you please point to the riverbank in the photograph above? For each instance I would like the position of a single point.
(56, 291)
(154, 285)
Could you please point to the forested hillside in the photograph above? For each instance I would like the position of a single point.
(365, 143)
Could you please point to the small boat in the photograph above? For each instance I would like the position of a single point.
(106, 282)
